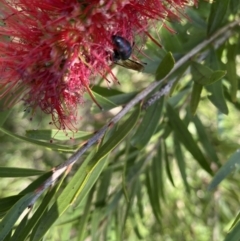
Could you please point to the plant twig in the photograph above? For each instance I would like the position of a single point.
(57, 171)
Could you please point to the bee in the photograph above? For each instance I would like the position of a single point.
(122, 52)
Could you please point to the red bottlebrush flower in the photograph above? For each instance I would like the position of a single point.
(50, 50)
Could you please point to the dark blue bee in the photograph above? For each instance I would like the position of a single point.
(122, 48)
(122, 52)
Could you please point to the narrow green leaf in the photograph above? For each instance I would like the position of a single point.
(148, 125)
(158, 175)
(155, 176)
(38, 214)
(59, 135)
(218, 11)
(170, 41)
(186, 138)
(200, 72)
(90, 178)
(81, 184)
(8, 237)
(216, 75)
(232, 163)
(232, 70)
(235, 222)
(19, 172)
(217, 97)
(83, 222)
(105, 91)
(204, 75)
(180, 161)
(165, 66)
(62, 203)
(103, 187)
(117, 226)
(178, 75)
(205, 142)
(195, 97)
(234, 6)
(14, 213)
(4, 115)
(51, 146)
(128, 209)
(121, 99)
(140, 201)
(151, 193)
(234, 234)
(168, 169)
(124, 170)
(94, 224)
(178, 97)
(196, 18)
(7, 202)
(20, 228)
(104, 102)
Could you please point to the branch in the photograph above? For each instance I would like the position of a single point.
(225, 31)
(72, 159)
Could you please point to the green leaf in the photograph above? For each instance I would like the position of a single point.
(19, 172)
(234, 234)
(178, 97)
(59, 135)
(186, 138)
(148, 125)
(232, 163)
(62, 203)
(232, 70)
(104, 91)
(204, 75)
(86, 213)
(167, 161)
(41, 210)
(103, 187)
(235, 222)
(217, 97)
(153, 196)
(20, 228)
(196, 18)
(180, 161)
(218, 11)
(121, 99)
(205, 142)
(51, 146)
(140, 204)
(165, 66)
(170, 41)
(104, 102)
(7, 202)
(158, 174)
(85, 177)
(234, 6)
(216, 75)
(195, 97)
(14, 213)
(178, 75)
(4, 115)
(200, 72)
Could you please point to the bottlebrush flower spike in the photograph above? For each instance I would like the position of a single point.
(50, 50)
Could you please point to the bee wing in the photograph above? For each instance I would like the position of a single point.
(130, 64)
